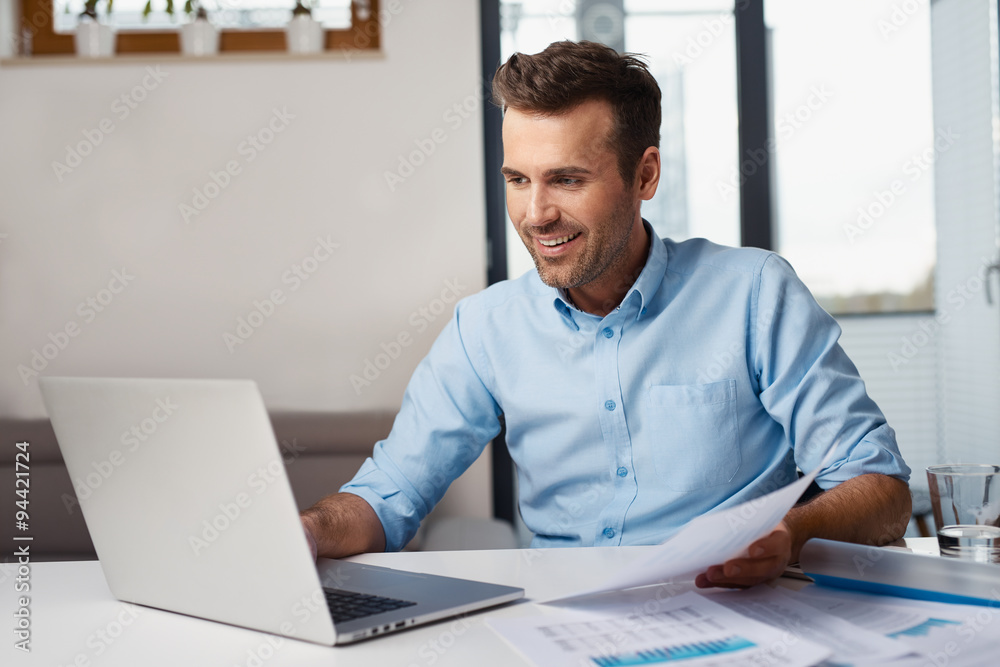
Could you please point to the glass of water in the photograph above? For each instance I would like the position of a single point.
(965, 498)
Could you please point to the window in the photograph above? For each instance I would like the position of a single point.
(855, 151)
(247, 25)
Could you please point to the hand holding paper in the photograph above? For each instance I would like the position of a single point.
(710, 539)
(766, 560)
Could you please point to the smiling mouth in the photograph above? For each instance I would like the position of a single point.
(557, 242)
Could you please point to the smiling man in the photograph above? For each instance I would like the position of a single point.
(642, 382)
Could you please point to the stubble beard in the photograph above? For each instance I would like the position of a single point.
(600, 254)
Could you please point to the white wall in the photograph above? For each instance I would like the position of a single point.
(322, 176)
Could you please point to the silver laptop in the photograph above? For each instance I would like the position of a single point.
(184, 491)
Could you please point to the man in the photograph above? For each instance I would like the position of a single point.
(643, 382)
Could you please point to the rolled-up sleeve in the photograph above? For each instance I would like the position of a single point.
(811, 388)
(446, 419)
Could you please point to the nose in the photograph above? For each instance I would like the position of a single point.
(541, 209)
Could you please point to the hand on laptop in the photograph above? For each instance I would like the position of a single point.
(342, 524)
(767, 560)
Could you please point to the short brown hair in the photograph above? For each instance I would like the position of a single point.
(567, 74)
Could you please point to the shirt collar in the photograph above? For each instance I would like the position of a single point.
(645, 286)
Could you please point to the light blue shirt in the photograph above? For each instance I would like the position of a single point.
(716, 376)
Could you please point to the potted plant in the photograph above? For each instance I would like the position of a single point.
(198, 37)
(94, 39)
(304, 34)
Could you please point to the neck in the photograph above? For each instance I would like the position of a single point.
(603, 295)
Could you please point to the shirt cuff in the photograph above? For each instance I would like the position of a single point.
(876, 453)
(395, 511)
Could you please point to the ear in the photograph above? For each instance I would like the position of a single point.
(649, 172)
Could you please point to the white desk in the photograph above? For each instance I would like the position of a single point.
(76, 621)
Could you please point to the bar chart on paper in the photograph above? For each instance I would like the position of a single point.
(659, 656)
(684, 629)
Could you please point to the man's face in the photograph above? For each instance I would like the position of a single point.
(565, 195)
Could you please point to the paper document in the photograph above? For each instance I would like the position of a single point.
(942, 634)
(688, 629)
(851, 643)
(710, 539)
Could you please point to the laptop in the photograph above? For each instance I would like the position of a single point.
(184, 491)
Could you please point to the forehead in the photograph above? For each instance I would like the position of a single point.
(578, 136)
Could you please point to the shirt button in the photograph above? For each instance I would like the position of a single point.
(623, 471)
(608, 333)
(609, 533)
(610, 405)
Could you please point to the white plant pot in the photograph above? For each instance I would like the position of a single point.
(304, 35)
(94, 39)
(199, 38)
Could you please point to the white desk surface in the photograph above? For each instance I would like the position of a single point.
(76, 621)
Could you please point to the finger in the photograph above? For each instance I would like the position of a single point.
(743, 572)
(750, 572)
(702, 581)
(715, 577)
(707, 578)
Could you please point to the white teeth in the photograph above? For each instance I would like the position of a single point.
(556, 242)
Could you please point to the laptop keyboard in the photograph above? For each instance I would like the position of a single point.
(346, 605)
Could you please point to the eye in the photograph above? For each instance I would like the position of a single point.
(569, 181)
(516, 180)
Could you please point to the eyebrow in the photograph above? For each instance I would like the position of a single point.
(558, 171)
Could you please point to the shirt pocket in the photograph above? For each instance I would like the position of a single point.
(694, 434)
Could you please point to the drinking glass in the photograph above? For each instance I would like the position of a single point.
(965, 498)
